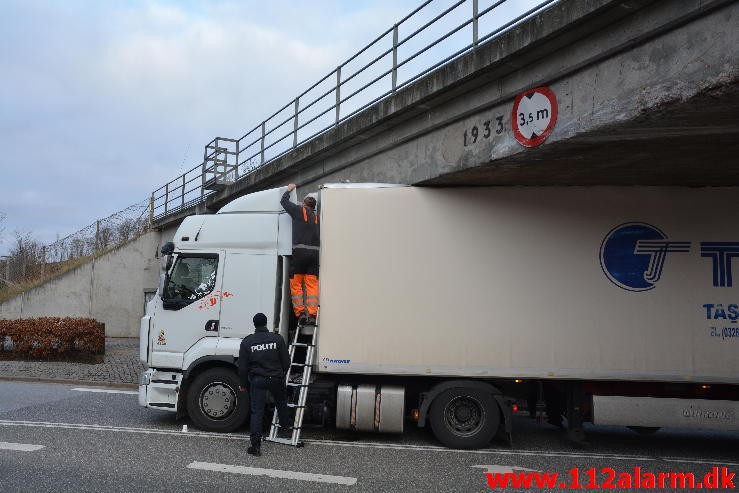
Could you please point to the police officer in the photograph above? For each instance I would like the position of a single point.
(263, 362)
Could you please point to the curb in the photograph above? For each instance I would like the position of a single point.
(87, 383)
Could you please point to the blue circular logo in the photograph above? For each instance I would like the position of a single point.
(618, 258)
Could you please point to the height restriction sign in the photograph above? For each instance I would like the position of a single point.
(534, 115)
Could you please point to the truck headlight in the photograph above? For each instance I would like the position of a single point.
(145, 378)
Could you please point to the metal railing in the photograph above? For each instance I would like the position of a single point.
(390, 62)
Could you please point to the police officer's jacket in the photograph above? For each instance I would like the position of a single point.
(306, 230)
(262, 353)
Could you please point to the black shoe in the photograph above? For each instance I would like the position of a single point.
(310, 320)
(256, 448)
(296, 378)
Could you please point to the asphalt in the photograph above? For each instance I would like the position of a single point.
(121, 367)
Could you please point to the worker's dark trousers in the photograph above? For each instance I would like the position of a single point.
(258, 388)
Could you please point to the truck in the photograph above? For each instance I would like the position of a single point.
(445, 307)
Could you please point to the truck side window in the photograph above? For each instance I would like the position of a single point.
(192, 278)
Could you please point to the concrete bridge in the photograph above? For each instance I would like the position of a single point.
(645, 94)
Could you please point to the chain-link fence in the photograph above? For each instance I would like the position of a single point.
(30, 262)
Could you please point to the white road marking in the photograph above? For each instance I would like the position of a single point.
(505, 469)
(273, 473)
(371, 445)
(20, 447)
(108, 391)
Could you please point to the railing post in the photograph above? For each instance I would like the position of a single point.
(151, 211)
(236, 160)
(43, 261)
(263, 132)
(395, 57)
(183, 190)
(202, 172)
(338, 94)
(474, 23)
(295, 123)
(166, 196)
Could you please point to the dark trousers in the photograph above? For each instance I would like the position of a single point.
(304, 261)
(258, 388)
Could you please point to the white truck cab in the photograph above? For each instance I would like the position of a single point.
(220, 270)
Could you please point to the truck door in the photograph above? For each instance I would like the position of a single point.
(190, 306)
(249, 285)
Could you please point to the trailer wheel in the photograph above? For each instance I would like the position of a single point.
(214, 402)
(464, 417)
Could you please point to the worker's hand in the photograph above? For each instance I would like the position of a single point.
(291, 187)
(242, 389)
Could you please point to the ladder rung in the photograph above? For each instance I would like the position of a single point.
(291, 384)
(301, 344)
(286, 441)
(301, 364)
(293, 405)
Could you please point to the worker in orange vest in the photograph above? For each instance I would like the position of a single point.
(304, 264)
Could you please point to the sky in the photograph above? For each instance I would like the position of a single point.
(102, 102)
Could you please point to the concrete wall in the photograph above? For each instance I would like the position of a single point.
(110, 288)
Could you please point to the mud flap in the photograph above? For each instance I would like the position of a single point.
(505, 432)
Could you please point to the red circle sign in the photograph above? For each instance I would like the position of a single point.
(534, 115)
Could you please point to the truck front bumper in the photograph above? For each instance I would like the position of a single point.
(159, 389)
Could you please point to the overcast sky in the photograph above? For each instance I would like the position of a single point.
(101, 102)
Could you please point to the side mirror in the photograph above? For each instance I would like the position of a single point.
(166, 263)
(167, 248)
(162, 284)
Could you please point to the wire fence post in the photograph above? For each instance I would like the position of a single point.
(295, 123)
(183, 191)
(474, 23)
(263, 134)
(338, 93)
(97, 235)
(395, 57)
(166, 196)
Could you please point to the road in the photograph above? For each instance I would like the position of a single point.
(64, 438)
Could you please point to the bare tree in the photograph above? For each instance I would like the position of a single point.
(2, 227)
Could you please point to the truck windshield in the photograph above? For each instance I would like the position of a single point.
(192, 278)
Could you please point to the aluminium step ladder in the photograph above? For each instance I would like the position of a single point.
(302, 370)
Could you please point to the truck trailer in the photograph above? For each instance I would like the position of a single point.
(442, 306)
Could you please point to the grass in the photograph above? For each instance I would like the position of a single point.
(54, 270)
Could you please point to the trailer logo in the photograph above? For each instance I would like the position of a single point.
(721, 253)
(633, 255)
(336, 361)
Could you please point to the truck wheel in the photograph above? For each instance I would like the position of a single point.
(464, 418)
(214, 402)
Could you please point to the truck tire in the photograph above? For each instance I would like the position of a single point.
(464, 417)
(214, 402)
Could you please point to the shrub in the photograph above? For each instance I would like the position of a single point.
(49, 337)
